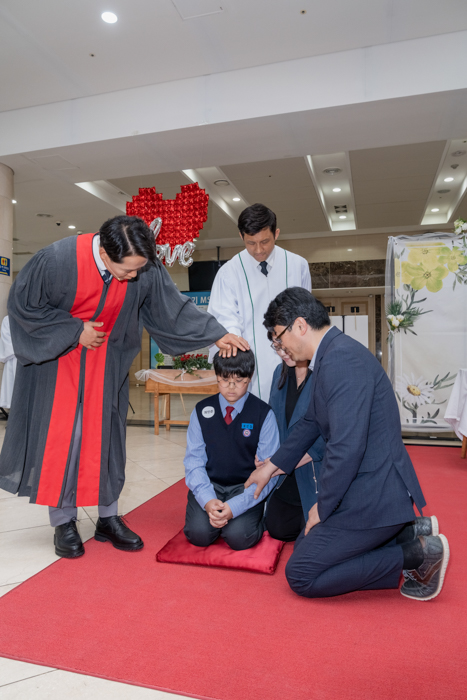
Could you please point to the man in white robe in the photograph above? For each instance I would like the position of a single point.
(246, 284)
(7, 355)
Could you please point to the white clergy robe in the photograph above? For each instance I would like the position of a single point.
(240, 296)
(7, 355)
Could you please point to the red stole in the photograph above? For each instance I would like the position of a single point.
(59, 437)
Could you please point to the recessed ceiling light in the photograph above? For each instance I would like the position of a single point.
(435, 210)
(71, 226)
(349, 250)
(13, 201)
(236, 199)
(109, 17)
(221, 183)
(336, 189)
(448, 179)
(332, 171)
(342, 217)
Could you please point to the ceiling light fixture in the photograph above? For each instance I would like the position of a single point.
(236, 199)
(109, 17)
(448, 179)
(13, 201)
(349, 250)
(71, 226)
(332, 171)
(342, 217)
(443, 191)
(435, 210)
(336, 189)
(222, 183)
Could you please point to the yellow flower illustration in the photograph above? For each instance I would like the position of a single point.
(452, 258)
(419, 276)
(426, 255)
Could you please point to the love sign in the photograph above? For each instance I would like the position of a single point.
(181, 220)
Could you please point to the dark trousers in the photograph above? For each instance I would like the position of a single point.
(68, 511)
(284, 521)
(330, 561)
(241, 532)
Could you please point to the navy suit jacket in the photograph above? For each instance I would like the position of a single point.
(304, 475)
(367, 479)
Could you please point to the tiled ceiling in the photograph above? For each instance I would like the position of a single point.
(284, 186)
(391, 185)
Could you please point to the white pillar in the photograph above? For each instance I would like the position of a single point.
(6, 234)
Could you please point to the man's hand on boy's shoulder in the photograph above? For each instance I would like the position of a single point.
(219, 513)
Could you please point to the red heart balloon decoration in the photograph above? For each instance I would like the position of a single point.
(182, 217)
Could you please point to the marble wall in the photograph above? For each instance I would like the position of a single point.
(348, 273)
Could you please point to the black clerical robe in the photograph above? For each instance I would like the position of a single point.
(59, 289)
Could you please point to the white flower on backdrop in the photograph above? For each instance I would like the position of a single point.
(415, 391)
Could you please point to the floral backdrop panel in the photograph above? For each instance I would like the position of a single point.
(426, 295)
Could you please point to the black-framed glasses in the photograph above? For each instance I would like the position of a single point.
(277, 342)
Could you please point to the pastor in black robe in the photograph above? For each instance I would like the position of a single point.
(53, 295)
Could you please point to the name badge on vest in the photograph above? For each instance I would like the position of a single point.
(208, 411)
(247, 428)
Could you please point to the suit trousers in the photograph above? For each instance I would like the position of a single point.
(330, 561)
(241, 532)
(68, 511)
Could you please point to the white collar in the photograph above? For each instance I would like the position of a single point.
(97, 258)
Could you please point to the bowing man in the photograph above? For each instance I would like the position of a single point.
(361, 533)
(245, 285)
(77, 311)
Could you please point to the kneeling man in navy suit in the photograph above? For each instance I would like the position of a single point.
(361, 534)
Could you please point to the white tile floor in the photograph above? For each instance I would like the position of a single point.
(26, 547)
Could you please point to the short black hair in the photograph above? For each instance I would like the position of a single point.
(127, 235)
(293, 303)
(242, 365)
(254, 219)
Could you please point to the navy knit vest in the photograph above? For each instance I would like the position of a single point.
(231, 448)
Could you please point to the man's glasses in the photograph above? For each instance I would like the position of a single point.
(277, 342)
(236, 382)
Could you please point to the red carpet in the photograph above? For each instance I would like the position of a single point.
(233, 635)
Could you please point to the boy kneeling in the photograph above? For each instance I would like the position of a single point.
(225, 433)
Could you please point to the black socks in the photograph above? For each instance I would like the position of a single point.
(413, 554)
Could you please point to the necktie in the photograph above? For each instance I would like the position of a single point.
(228, 416)
(264, 268)
(106, 276)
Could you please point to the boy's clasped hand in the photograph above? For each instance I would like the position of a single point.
(219, 513)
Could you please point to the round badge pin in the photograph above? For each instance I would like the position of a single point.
(208, 411)
(246, 433)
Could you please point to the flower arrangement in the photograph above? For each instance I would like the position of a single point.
(159, 358)
(190, 363)
(401, 314)
(460, 226)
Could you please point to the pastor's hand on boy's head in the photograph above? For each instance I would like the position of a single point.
(229, 344)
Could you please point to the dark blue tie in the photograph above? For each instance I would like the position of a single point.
(106, 276)
(264, 268)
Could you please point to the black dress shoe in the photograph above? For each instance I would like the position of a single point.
(425, 582)
(67, 541)
(114, 530)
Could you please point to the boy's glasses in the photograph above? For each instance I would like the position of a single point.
(277, 342)
(227, 382)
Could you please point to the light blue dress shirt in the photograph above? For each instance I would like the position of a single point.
(195, 461)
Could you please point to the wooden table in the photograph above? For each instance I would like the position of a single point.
(159, 388)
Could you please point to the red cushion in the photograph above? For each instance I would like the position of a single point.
(262, 558)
